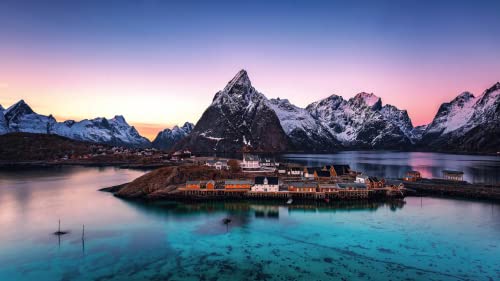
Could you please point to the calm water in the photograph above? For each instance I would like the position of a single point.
(424, 239)
(477, 168)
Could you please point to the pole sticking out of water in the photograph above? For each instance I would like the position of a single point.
(83, 232)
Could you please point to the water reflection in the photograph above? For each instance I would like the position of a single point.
(477, 168)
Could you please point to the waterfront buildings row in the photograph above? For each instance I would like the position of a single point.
(273, 184)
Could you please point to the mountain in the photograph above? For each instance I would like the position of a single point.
(305, 132)
(168, 137)
(4, 126)
(238, 117)
(466, 124)
(363, 123)
(116, 131)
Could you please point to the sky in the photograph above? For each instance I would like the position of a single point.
(159, 63)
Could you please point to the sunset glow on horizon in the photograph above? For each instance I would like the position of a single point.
(160, 63)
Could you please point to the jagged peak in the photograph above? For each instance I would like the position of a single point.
(241, 79)
(20, 107)
(369, 99)
(493, 88)
(465, 96)
(188, 125)
(119, 119)
(1, 108)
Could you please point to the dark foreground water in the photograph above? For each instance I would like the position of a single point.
(476, 168)
(423, 239)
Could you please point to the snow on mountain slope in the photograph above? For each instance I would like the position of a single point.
(238, 117)
(305, 132)
(21, 118)
(4, 126)
(168, 137)
(362, 122)
(467, 123)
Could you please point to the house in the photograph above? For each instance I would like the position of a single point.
(322, 175)
(340, 170)
(351, 185)
(394, 183)
(268, 162)
(210, 184)
(295, 171)
(266, 184)
(250, 162)
(282, 169)
(362, 179)
(374, 182)
(327, 187)
(238, 184)
(217, 164)
(309, 172)
(193, 184)
(412, 176)
(453, 175)
(302, 186)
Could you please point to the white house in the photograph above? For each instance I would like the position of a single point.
(217, 164)
(250, 162)
(266, 184)
(361, 179)
(295, 171)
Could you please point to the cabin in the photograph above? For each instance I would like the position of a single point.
(210, 184)
(302, 186)
(453, 175)
(217, 164)
(250, 162)
(327, 188)
(394, 183)
(362, 179)
(340, 170)
(374, 182)
(412, 176)
(351, 185)
(322, 175)
(193, 184)
(309, 172)
(266, 184)
(238, 184)
(295, 171)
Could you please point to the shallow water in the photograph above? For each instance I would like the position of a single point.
(422, 239)
(387, 164)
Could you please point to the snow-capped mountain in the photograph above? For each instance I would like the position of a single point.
(238, 116)
(467, 123)
(362, 121)
(305, 132)
(4, 126)
(168, 137)
(21, 118)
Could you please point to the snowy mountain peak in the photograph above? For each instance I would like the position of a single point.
(188, 126)
(241, 79)
(369, 99)
(119, 119)
(463, 98)
(2, 109)
(168, 137)
(17, 109)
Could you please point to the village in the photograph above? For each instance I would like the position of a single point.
(265, 178)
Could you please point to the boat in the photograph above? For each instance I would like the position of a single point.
(290, 201)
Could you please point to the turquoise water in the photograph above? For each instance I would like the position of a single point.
(422, 239)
